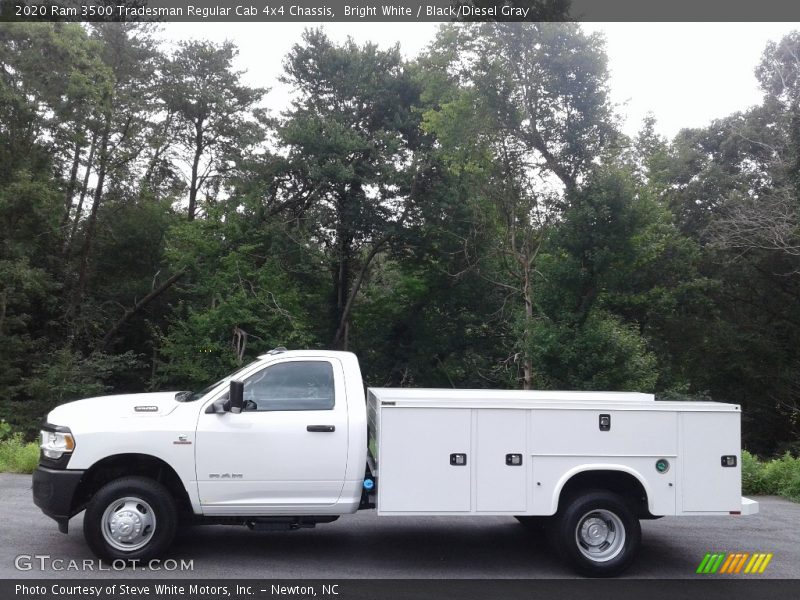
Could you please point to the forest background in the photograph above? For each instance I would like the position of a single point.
(471, 217)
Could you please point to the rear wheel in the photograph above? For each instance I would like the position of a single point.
(597, 533)
(130, 518)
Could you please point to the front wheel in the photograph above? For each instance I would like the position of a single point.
(130, 518)
(597, 534)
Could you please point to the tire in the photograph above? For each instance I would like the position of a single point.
(130, 518)
(597, 534)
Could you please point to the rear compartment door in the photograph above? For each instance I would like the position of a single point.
(707, 485)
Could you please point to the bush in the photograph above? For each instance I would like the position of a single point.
(783, 476)
(779, 476)
(752, 474)
(17, 456)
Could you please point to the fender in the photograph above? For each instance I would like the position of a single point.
(143, 464)
(598, 467)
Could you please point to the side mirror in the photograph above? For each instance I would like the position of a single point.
(236, 397)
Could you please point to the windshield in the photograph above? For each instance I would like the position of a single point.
(192, 396)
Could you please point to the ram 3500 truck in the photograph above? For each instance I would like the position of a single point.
(292, 440)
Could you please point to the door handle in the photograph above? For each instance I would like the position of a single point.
(458, 460)
(321, 428)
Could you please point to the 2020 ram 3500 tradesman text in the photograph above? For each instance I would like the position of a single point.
(292, 440)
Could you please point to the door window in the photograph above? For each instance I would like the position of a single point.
(297, 385)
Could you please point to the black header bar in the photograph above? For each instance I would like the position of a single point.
(315, 11)
(391, 589)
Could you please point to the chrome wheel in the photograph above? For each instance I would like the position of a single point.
(128, 524)
(600, 535)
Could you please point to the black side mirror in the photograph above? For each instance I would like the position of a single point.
(236, 397)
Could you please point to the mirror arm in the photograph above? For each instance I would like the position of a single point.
(217, 407)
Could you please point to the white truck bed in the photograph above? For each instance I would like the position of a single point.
(511, 452)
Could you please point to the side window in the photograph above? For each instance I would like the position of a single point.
(300, 385)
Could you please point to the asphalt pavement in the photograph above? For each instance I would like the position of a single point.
(367, 546)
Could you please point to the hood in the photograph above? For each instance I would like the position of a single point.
(126, 406)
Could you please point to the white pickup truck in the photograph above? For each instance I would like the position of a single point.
(292, 440)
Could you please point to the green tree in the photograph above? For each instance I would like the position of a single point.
(522, 111)
(45, 120)
(618, 279)
(732, 188)
(130, 55)
(238, 300)
(213, 111)
(350, 138)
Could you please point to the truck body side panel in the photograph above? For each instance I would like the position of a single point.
(522, 449)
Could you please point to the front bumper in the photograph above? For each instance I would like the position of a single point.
(54, 492)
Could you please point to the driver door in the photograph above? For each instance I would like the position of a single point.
(286, 452)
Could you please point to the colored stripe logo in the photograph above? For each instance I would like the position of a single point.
(734, 563)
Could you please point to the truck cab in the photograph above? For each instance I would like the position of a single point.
(296, 448)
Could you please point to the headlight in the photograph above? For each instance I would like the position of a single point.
(56, 443)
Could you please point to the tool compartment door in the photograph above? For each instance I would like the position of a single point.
(501, 460)
(416, 474)
(707, 485)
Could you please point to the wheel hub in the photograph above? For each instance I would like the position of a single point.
(128, 524)
(594, 531)
(600, 535)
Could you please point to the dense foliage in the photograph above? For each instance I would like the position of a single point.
(471, 218)
(779, 476)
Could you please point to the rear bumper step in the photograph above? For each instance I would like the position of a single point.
(749, 507)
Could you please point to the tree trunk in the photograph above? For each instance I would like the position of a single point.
(340, 338)
(341, 281)
(193, 185)
(3, 304)
(342, 273)
(83, 269)
(73, 176)
(160, 148)
(84, 189)
(155, 293)
(527, 364)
